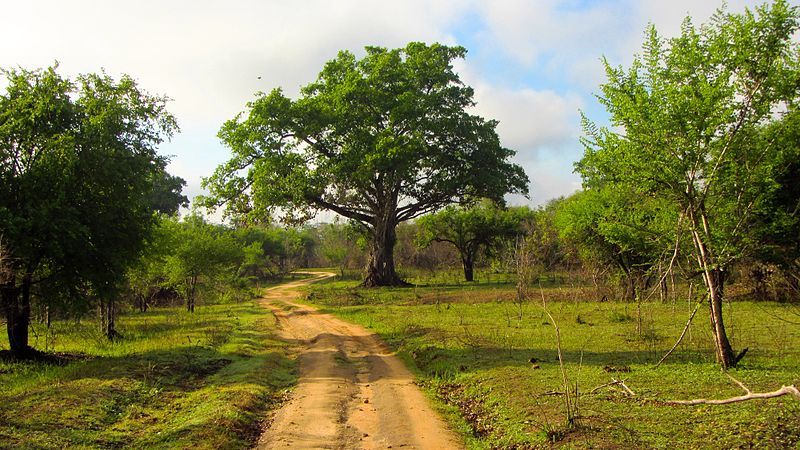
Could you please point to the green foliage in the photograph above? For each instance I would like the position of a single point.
(484, 226)
(379, 140)
(177, 380)
(393, 122)
(80, 181)
(191, 257)
(616, 229)
(688, 111)
(340, 244)
(499, 378)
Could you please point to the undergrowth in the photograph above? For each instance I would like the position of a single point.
(497, 378)
(175, 380)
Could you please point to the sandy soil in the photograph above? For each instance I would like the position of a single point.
(352, 391)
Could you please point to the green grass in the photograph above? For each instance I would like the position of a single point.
(474, 354)
(175, 380)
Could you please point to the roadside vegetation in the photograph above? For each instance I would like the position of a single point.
(672, 275)
(177, 380)
(497, 376)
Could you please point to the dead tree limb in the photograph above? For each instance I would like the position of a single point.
(749, 395)
(683, 333)
(615, 382)
(785, 390)
(739, 383)
(622, 384)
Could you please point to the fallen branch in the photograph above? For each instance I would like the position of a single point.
(680, 339)
(614, 382)
(749, 395)
(624, 386)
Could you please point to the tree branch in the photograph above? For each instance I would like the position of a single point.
(685, 329)
(361, 217)
(785, 390)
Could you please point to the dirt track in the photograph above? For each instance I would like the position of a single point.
(352, 392)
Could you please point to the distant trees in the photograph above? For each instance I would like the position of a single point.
(339, 244)
(379, 140)
(472, 230)
(80, 183)
(200, 252)
(687, 115)
(188, 257)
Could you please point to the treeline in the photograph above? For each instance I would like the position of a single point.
(621, 244)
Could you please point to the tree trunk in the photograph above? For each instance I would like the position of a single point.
(725, 354)
(629, 287)
(190, 297)
(16, 302)
(468, 264)
(108, 319)
(714, 279)
(380, 270)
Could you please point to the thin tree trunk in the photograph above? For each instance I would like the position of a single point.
(714, 279)
(468, 264)
(108, 319)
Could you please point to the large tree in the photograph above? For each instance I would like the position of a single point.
(686, 115)
(379, 140)
(80, 181)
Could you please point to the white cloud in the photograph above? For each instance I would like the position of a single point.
(530, 119)
(208, 55)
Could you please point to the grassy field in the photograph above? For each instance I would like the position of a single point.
(497, 375)
(175, 380)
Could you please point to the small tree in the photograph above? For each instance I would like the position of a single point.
(203, 252)
(686, 113)
(379, 140)
(482, 227)
(618, 230)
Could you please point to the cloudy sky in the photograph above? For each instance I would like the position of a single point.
(534, 64)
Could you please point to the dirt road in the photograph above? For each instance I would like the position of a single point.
(352, 392)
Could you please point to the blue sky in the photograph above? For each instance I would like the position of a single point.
(534, 64)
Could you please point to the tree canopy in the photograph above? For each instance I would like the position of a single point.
(80, 181)
(379, 140)
(483, 227)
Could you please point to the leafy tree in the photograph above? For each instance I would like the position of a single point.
(202, 252)
(779, 218)
(79, 174)
(619, 230)
(471, 230)
(147, 278)
(685, 115)
(379, 140)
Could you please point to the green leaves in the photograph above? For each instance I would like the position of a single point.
(686, 115)
(363, 138)
(80, 178)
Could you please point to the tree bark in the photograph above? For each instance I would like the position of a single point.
(725, 354)
(468, 264)
(714, 279)
(380, 269)
(16, 302)
(108, 319)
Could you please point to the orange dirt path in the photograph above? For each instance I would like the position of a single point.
(352, 392)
